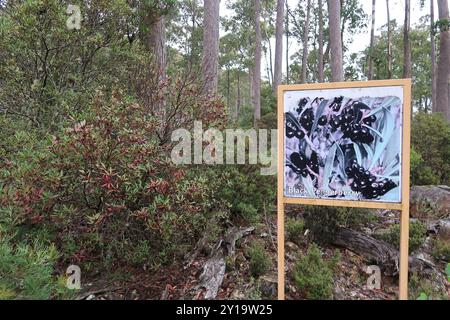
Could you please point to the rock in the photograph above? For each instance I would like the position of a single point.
(441, 228)
(292, 246)
(339, 293)
(444, 229)
(237, 295)
(264, 235)
(268, 285)
(240, 259)
(430, 202)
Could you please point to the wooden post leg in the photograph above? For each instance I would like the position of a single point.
(280, 243)
(404, 252)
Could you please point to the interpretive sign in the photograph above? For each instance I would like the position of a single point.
(345, 144)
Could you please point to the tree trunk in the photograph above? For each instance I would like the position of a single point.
(433, 58)
(287, 42)
(210, 59)
(443, 74)
(372, 41)
(238, 98)
(305, 43)
(228, 87)
(389, 31)
(270, 63)
(321, 40)
(278, 74)
(337, 69)
(192, 39)
(257, 66)
(154, 40)
(407, 69)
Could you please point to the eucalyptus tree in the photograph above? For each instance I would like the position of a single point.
(433, 56)
(320, 66)
(256, 81)
(389, 39)
(443, 74)
(153, 31)
(210, 57)
(337, 69)
(278, 73)
(372, 41)
(407, 72)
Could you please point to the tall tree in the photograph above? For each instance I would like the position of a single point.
(372, 41)
(210, 58)
(433, 58)
(389, 39)
(305, 42)
(443, 74)
(320, 66)
(153, 32)
(407, 63)
(337, 69)
(257, 66)
(287, 42)
(278, 73)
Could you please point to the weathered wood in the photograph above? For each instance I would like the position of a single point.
(213, 272)
(377, 251)
(233, 235)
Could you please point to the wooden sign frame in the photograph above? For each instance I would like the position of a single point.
(405, 178)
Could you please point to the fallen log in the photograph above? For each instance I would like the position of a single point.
(233, 235)
(213, 272)
(377, 251)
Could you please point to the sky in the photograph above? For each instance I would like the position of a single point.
(362, 39)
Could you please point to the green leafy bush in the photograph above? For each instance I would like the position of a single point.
(447, 271)
(104, 184)
(441, 249)
(417, 235)
(425, 289)
(26, 271)
(69, 66)
(260, 261)
(294, 229)
(313, 275)
(325, 221)
(431, 155)
(244, 190)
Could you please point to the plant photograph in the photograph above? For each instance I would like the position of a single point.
(344, 148)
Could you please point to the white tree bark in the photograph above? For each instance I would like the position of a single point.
(279, 30)
(443, 73)
(287, 41)
(389, 31)
(337, 68)
(257, 66)
(321, 40)
(210, 58)
(305, 42)
(433, 58)
(407, 67)
(372, 41)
